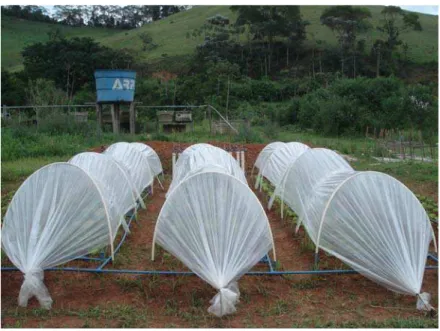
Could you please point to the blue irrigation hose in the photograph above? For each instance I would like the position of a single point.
(189, 273)
(119, 245)
(433, 257)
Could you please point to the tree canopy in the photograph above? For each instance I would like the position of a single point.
(70, 63)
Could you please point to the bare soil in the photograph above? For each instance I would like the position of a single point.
(121, 300)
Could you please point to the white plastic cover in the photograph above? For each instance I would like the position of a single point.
(375, 224)
(298, 186)
(153, 158)
(135, 161)
(278, 161)
(56, 215)
(369, 220)
(201, 158)
(113, 182)
(265, 153)
(216, 226)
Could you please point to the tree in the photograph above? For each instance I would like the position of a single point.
(347, 22)
(70, 15)
(13, 88)
(394, 22)
(70, 63)
(155, 12)
(32, 13)
(266, 23)
(147, 41)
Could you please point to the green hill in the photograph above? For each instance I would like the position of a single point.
(170, 34)
(17, 33)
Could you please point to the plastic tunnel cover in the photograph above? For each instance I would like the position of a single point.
(153, 158)
(277, 163)
(203, 157)
(113, 182)
(298, 188)
(266, 152)
(56, 215)
(375, 224)
(135, 161)
(216, 226)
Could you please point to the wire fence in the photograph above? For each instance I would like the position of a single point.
(395, 144)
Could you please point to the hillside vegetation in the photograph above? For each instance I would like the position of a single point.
(17, 33)
(171, 34)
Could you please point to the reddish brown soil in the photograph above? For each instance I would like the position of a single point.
(121, 300)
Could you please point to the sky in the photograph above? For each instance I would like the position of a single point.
(433, 10)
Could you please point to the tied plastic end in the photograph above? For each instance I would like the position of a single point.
(33, 286)
(224, 301)
(423, 302)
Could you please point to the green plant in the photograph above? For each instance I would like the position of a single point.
(159, 136)
(247, 135)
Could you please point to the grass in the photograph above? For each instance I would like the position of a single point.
(18, 170)
(18, 33)
(170, 33)
(171, 36)
(396, 322)
(416, 171)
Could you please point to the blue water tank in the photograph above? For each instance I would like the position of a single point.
(115, 86)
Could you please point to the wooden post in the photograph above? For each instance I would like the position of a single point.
(227, 100)
(132, 118)
(99, 115)
(115, 117)
(423, 151)
(210, 119)
(432, 151)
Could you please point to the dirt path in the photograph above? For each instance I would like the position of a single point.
(82, 299)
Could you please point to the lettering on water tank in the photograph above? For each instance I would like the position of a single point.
(127, 84)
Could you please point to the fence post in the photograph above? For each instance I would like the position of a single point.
(99, 115)
(210, 120)
(422, 145)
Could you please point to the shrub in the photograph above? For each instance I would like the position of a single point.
(57, 122)
(349, 105)
(271, 130)
(264, 90)
(333, 115)
(247, 135)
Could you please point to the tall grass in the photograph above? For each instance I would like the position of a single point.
(24, 142)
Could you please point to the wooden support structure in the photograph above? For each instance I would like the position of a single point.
(132, 118)
(115, 108)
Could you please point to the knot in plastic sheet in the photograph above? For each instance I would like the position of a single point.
(423, 301)
(33, 286)
(223, 303)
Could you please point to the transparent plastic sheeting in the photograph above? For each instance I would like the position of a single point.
(113, 182)
(265, 153)
(216, 226)
(153, 158)
(56, 215)
(135, 162)
(201, 158)
(276, 164)
(302, 177)
(375, 224)
(369, 220)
